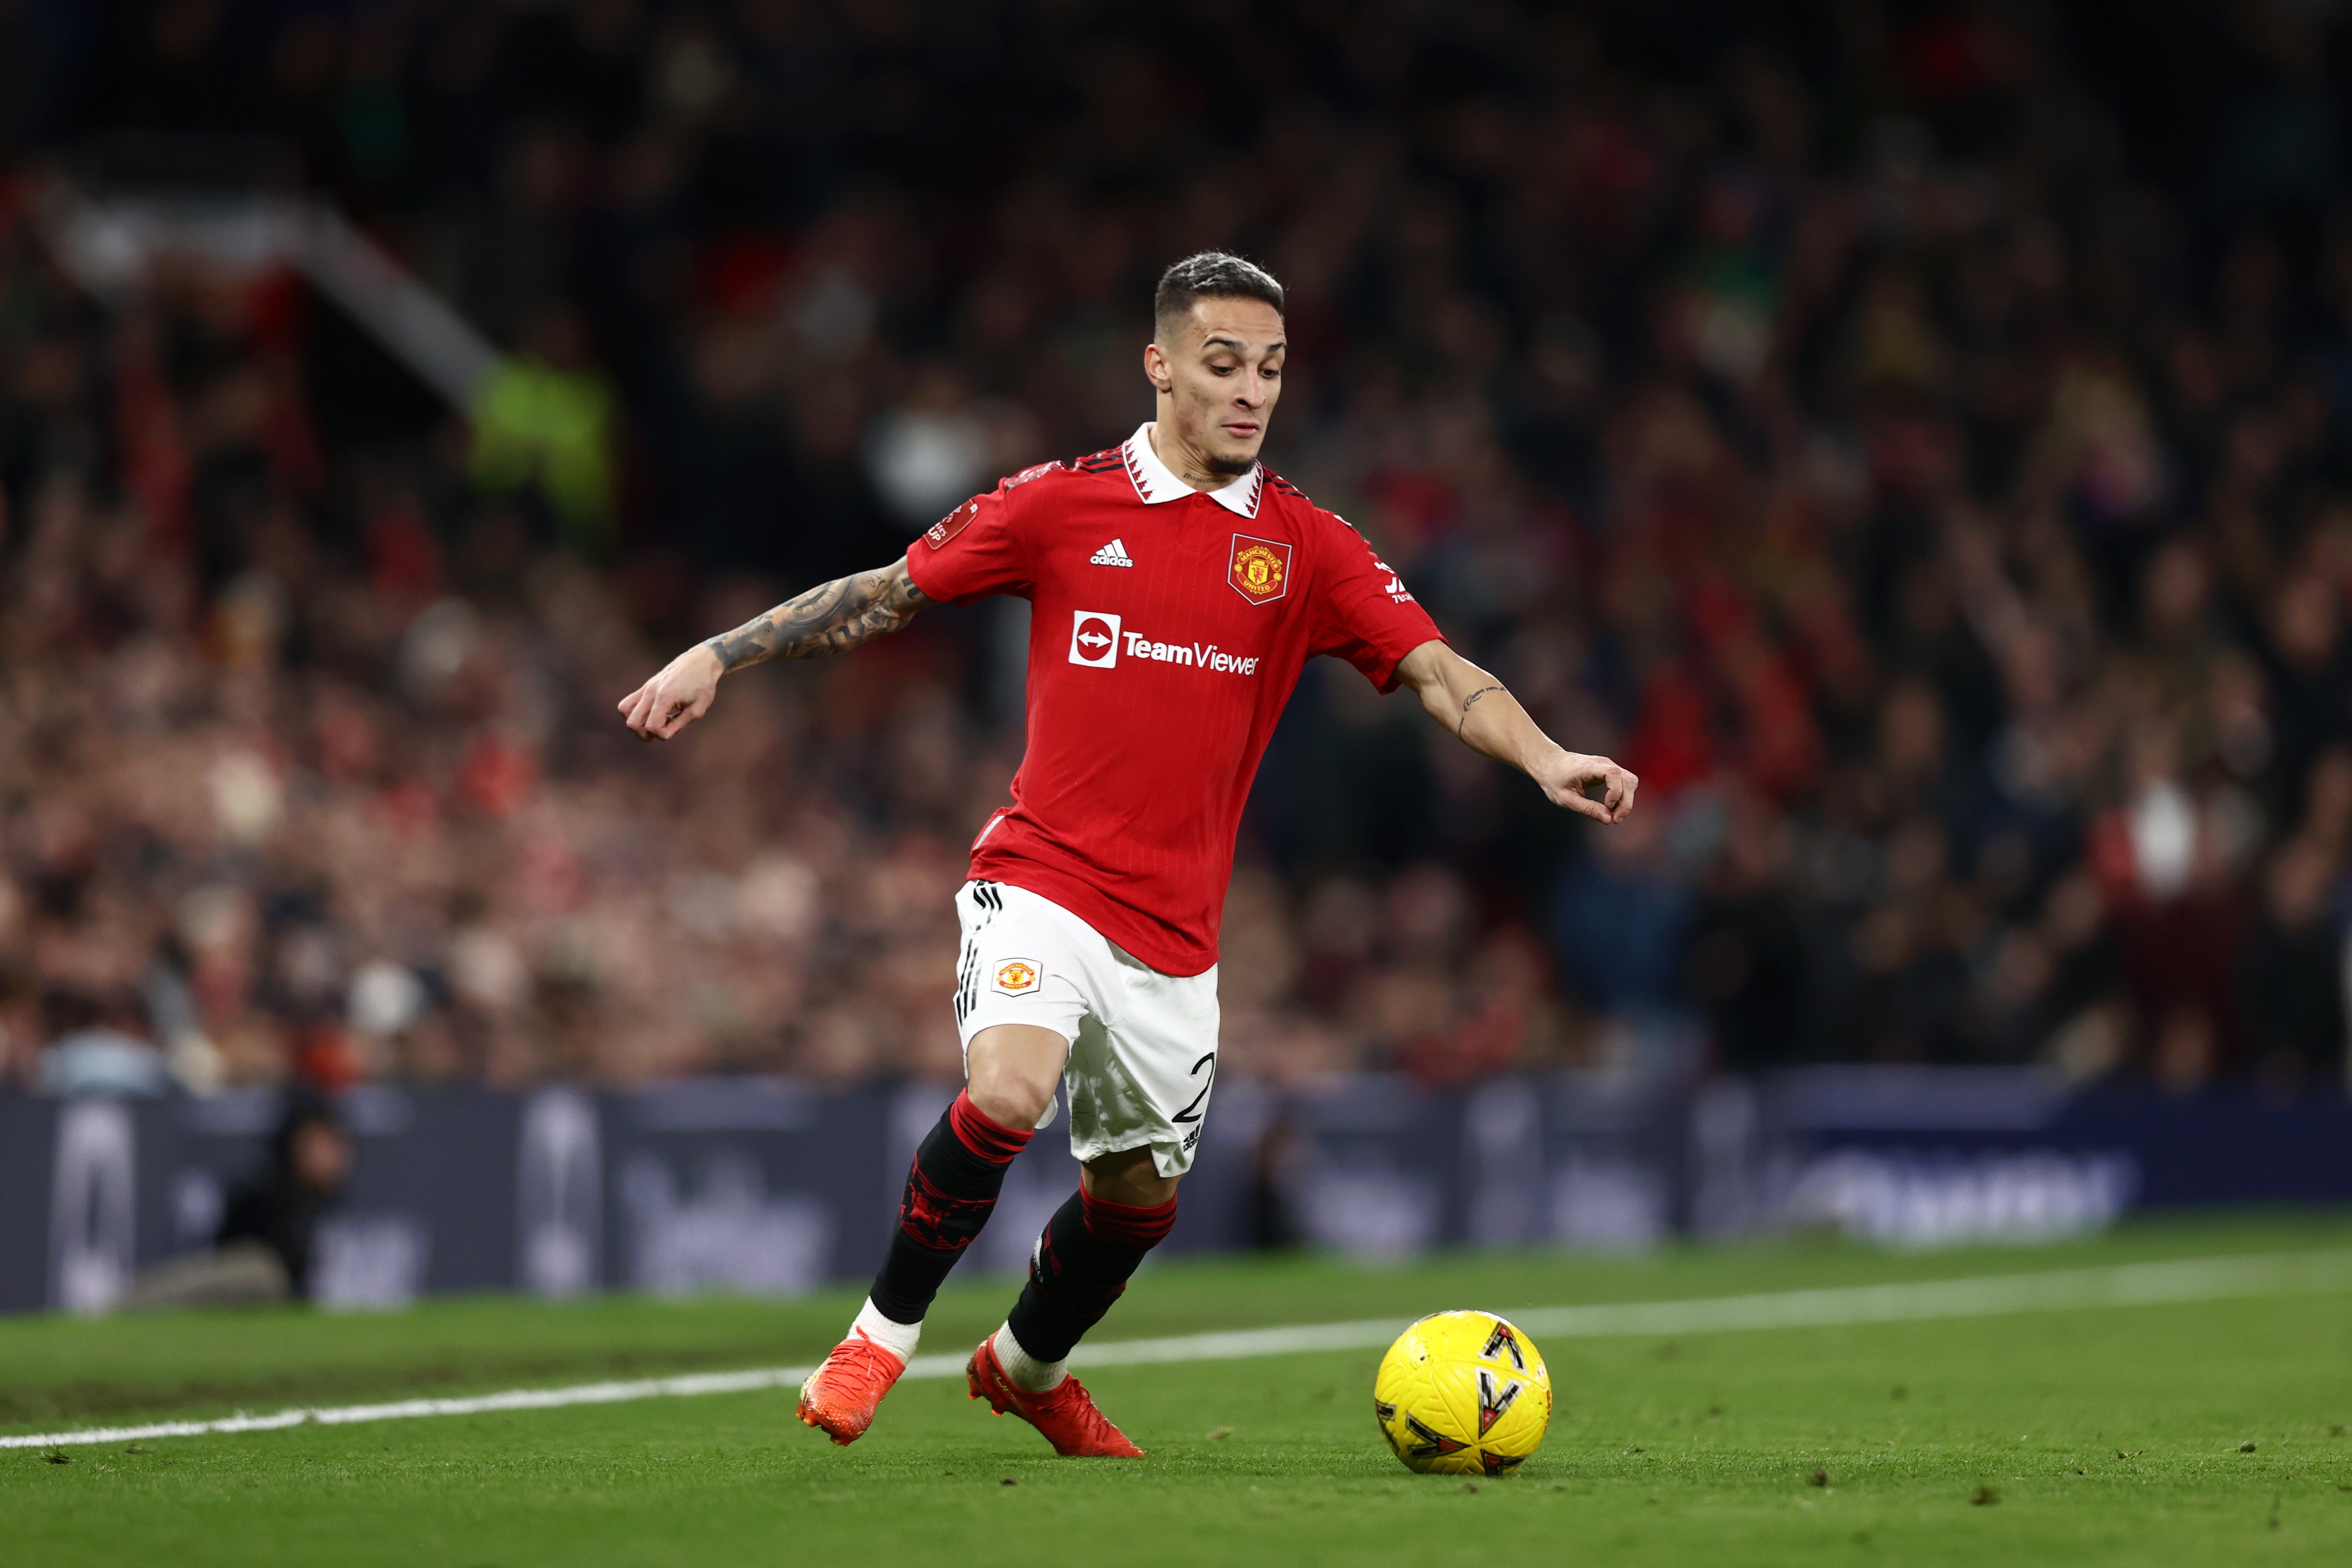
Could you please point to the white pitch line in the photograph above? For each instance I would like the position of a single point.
(2124, 1285)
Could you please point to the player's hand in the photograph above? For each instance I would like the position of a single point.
(676, 698)
(1566, 775)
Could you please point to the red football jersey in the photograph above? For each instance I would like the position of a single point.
(1168, 628)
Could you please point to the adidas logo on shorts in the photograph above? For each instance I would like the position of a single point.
(1111, 554)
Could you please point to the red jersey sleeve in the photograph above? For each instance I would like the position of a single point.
(978, 548)
(1363, 613)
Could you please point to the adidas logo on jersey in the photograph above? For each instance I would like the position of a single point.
(1111, 554)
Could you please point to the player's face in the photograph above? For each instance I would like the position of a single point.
(1222, 379)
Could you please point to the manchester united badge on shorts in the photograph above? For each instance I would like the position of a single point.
(1260, 571)
(1016, 977)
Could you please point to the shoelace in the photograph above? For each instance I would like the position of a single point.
(1070, 1399)
(861, 1356)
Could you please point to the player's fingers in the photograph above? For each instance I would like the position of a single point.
(1625, 806)
(654, 710)
(640, 709)
(679, 711)
(1579, 802)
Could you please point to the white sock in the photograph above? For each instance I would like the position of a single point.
(1025, 1369)
(899, 1339)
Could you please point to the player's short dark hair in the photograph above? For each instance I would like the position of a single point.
(1210, 275)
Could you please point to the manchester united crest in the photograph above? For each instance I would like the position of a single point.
(1260, 571)
(1018, 977)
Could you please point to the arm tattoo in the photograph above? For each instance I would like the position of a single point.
(1466, 702)
(825, 620)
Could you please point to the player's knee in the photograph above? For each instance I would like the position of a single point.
(1144, 1190)
(1012, 1070)
(1009, 1097)
(1128, 1177)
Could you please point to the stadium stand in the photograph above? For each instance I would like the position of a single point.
(1831, 415)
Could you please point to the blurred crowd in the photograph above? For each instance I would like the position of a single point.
(1912, 436)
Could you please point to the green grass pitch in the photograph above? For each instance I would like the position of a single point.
(2201, 1433)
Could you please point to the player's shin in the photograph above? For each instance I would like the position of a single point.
(1088, 1251)
(952, 1185)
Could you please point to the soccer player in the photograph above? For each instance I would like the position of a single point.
(1176, 587)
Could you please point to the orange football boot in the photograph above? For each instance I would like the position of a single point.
(839, 1397)
(1065, 1413)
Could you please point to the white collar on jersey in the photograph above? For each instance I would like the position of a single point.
(1155, 481)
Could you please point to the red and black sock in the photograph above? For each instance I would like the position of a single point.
(1090, 1249)
(958, 1169)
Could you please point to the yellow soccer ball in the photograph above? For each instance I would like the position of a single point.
(1462, 1393)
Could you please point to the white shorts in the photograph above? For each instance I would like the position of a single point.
(1143, 1044)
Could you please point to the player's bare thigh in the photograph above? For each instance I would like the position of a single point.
(1012, 1070)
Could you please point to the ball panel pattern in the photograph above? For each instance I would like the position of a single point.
(1462, 1394)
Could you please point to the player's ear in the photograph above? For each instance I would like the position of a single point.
(1155, 366)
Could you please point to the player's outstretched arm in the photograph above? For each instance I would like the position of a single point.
(1487, 719)
(826, 619)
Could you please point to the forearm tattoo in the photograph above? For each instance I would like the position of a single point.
(825, 620)
(1466, 703)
